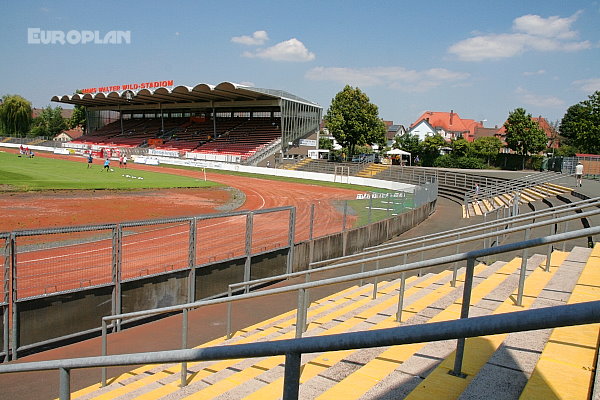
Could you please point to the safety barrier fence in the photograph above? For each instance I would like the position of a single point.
(490, 189)
(490, 233)
(109, 264)
(481, 231)
(399, 264)
(583, 313)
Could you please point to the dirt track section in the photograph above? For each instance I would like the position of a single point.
(34, 210)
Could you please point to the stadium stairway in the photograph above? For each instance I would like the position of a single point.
(524, 365)
(371, 170)
(299, 164)
(528, 195)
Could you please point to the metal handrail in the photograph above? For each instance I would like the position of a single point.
(428, 238)
(583, 313)
(594, 202)
(201, 303)
(510, 186)
(302, 288)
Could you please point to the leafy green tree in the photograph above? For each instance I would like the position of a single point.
(15, 115)
(49, 123)
(487, 147)
(408, 142)
(431, 149)
(460, 147)
(565, 151)
(353, 120)
(78, 118)
(325, 143)
(523, 134)
(581, 125)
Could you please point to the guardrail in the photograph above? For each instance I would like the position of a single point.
(303, 296)
(512, 187)
(496, 228)
(459, 329)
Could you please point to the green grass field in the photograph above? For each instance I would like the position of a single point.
(40, 173)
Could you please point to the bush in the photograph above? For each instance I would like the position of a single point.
(517, 162)
(450, 161)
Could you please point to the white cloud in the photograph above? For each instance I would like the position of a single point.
(532, 73)
(247, 83)
(551, 27)
(394, 77)
(289, 50)
(588, 85)
(538, 100)
(530, 32)
(258, 38)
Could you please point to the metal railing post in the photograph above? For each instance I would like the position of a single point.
(455, 266)
(65, 384)
(229, 306)
(549, 250)
(464, 313)
(362, 269)
(376, 281)
(401, 297)
(291, 379)
(192, 260)
(8, 259)
(14, 340)
(523, 271)
(116, 267)
(345, 216)
(300, 313)
(311, 222)
(248, 249)
(184, 341)
(104, 349)
(291, 238)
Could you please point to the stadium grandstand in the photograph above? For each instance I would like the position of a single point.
(227, 122)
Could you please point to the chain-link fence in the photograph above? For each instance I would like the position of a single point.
(138, 265)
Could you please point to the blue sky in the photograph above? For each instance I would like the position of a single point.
(481, 59)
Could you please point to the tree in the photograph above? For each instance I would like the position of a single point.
(408, 142)
(487, 147)
(15, 115)
(325, 143)
(353, 120)
(49, 123)
(460, 147)
(523, 134)
(78, 118)
(581, 125)
(431, 149)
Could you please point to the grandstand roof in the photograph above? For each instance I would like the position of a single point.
(225, 93)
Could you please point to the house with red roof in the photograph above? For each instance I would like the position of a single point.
(69, 134)
(447, 124)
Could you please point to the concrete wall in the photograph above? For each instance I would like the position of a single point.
(51, 317)
(355, 240)
(154, 292)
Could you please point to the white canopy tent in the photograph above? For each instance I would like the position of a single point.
(402, 153)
